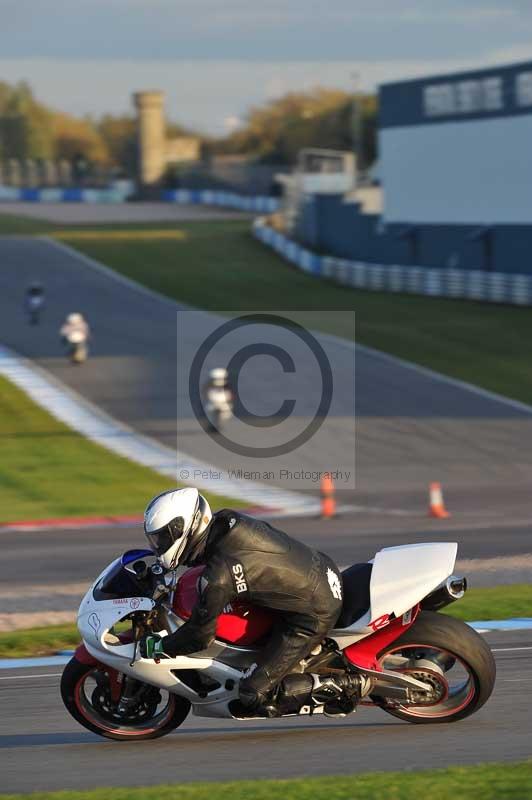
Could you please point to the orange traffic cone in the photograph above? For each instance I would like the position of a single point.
(328, 501)
(436, 505)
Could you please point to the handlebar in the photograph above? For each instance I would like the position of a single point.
(152, 577)
(160, 591)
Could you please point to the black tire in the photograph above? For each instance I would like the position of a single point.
(71, 680)
(459, 640)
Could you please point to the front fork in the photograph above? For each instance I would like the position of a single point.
(128, 694)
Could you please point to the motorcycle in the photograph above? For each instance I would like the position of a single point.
(392, 648)
(34, 308)
(219, 407)
(76, 347)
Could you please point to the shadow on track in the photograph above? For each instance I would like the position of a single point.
(60, 739)
(46, 739)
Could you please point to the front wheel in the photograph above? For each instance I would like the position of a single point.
(90, 694)
(450, 656)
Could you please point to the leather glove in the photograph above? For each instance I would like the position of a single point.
(151, 646)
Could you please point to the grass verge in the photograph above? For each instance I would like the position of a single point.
(11, 224)
(498, 602)
(34, 642)
(48, 470)
(494, 602)
(482, 782)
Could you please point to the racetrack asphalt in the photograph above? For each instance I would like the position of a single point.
(43, 749)
(411, 427)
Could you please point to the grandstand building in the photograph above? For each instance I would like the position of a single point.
(456, 171)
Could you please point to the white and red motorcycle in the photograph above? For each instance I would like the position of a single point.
(391, 648)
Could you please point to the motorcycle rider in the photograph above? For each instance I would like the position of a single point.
(34, 302)
(245, 559)
(217, 396)
(75, 333)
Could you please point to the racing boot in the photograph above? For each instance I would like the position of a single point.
(338, 693)
(252, 703)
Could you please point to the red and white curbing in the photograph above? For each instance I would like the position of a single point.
(92, 422)
(71, 523)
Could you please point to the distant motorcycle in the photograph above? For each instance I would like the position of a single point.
(75, 334)
(391, 648)
(218, 399)
(34, 303)
(77, 348)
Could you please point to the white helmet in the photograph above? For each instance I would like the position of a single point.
(218, 375)
(173, 520)
(75, 318)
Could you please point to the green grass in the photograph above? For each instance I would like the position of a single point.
(480, 782)
(494, 602)
(48, 470)
(498, 602)
(34, 642)
(220, 266)
(23, 226)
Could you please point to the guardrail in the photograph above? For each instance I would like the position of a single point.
(69, 195)
(492, 287)
(254, 203)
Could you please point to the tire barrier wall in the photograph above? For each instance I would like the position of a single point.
(490, 287)
(253, 204)
(258, 204)
(70, 195)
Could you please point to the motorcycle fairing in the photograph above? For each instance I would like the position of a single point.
(96, 618)
(404, 575)
(401, 577)
(364, 653)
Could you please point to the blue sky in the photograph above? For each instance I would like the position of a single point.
(215, 58)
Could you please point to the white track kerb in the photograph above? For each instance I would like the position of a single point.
(93, 423)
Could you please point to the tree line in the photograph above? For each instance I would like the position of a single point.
(328, 118)
(31, 130)
(272, 133)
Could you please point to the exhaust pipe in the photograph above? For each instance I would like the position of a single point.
(456, 587)
(452, 589)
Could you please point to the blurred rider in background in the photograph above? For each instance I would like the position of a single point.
(75, 334)
(217, 396)
(34, 302)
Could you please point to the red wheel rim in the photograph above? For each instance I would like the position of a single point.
(460, 690)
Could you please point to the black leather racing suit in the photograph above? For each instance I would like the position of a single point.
(254, 562)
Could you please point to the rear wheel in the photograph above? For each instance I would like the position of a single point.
(452, 658)
(91, 698)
